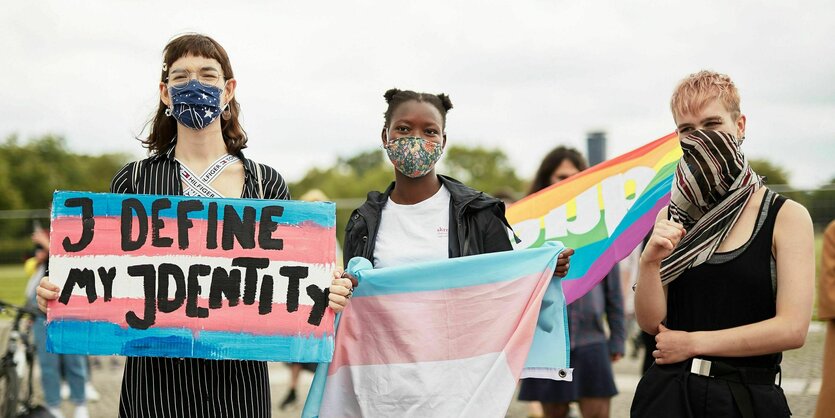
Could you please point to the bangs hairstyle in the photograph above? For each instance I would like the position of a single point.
(164, 128)
(694, 92)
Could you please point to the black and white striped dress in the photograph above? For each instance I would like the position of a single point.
(155, 387)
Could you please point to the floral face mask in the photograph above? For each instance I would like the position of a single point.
(413, 156)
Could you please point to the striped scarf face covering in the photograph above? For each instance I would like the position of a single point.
(712, 184)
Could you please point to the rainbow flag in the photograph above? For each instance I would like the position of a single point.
(603, 212)
(176, 276)
(445, 338)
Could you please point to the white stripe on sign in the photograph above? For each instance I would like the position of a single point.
(126, 286)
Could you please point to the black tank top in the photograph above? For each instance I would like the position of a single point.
(731, 289)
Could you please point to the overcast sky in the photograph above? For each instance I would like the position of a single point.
(524, 75)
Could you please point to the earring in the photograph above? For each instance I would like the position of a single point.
(168, 112)
(227, 113)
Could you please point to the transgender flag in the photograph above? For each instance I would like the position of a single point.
(445, 338)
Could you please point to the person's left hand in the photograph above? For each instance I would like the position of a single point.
(340, 291)
(563, 262)
(673, 346)
(41, 237)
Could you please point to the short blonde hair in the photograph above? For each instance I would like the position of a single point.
(694, 92)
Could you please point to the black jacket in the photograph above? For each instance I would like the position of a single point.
(477, 223)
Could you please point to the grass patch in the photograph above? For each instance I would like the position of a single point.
(12, 283)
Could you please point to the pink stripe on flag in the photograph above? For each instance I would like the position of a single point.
(228, 319)
(634, 234)
(301, 243)
(441, 325)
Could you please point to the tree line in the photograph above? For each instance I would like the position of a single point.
(30, 171)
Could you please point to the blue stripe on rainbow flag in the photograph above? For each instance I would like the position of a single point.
(583, 260)
(110, 204)
(601, 256)
(71, 336)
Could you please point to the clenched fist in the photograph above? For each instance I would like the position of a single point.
(665, 237)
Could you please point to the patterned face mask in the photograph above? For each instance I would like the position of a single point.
(413, 156)
(712, 167)
(195, 105)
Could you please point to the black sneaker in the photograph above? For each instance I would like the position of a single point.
(289, 400)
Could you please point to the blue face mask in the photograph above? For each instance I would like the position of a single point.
(195, 105)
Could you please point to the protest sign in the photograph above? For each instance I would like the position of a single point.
(177, 276)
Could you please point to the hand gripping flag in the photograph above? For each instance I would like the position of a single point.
(446, 338)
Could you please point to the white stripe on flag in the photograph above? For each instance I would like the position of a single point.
(481, 386)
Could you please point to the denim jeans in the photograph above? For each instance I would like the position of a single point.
(75, 370)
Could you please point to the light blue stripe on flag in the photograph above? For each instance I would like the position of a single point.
(466, 271)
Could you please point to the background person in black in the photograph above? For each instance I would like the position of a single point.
(197, 137)
(722, 324)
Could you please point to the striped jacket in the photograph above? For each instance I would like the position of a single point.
(155, 387)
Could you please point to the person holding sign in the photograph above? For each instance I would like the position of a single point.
(423, 216)
(725, 282)
(195, 143)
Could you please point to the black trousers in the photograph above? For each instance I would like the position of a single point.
(672, 391)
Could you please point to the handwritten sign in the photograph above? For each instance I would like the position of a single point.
(176, 276)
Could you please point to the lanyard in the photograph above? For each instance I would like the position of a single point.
(199, 186)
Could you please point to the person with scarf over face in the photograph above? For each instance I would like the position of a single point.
(725, 282)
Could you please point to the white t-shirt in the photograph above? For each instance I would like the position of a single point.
(413, 233)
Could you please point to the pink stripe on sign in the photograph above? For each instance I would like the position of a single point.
(302, 243)
(240, 318)
(440, 325)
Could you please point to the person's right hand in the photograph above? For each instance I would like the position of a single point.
(46, 291)
(665, 237)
